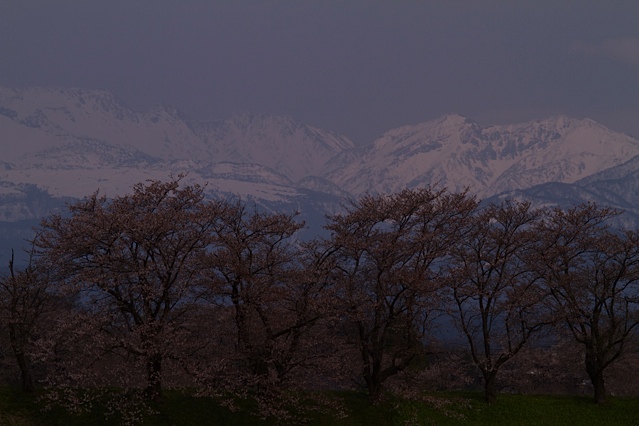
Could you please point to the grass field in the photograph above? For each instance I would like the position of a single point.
(17, 409)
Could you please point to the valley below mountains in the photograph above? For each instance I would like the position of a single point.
(59, 145)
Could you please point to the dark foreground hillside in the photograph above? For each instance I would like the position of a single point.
(434, 409)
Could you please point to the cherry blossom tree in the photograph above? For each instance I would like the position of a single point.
(25, 302)
(276, 292)
(390, 251)
(133, 264)
(592, 273)
(497, 294)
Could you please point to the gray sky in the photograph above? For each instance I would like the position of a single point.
(356, 67)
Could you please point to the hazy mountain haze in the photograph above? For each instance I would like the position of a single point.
(355, 67)
(302, 104)
(70, 142)
(64, 144)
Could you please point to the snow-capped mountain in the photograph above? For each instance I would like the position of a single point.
(63, 144)
(67, 122)
(616, 187)
(36, 119)
(293, 149)
(457, 153)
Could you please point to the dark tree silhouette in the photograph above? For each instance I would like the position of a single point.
(593, 276)
(134, 263)
(498, 296)
(389, 253)
(25, 301)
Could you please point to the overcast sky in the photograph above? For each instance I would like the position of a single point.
(355, 67)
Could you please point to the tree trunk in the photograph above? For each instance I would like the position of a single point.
(490, 390)
(23, 363)
(374, 389)
(154, 377)
(25, 372)
(373, 381)
(600, 388)
(595, 372)
(375, 376)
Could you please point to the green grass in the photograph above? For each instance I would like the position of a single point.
(527, 410)
(17, 409)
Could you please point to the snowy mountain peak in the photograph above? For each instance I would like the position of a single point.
(452, 120)
(458, 153)
(72, 141)
(69, 102)
(60, 119)
(60, 143)
(294, 149)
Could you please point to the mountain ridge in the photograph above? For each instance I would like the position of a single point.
(456, 152)
(71, 142)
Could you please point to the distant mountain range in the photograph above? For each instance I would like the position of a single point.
(62, 144)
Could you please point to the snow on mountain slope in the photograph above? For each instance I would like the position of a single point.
(293, 149)
(38, 121)
(63, 144)
(457, 153)
(238, 180)
(408, 156)
(39, 118)
(74, 141)
(560, 149)
(617, 186)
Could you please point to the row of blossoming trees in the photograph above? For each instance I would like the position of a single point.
(163, 288)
